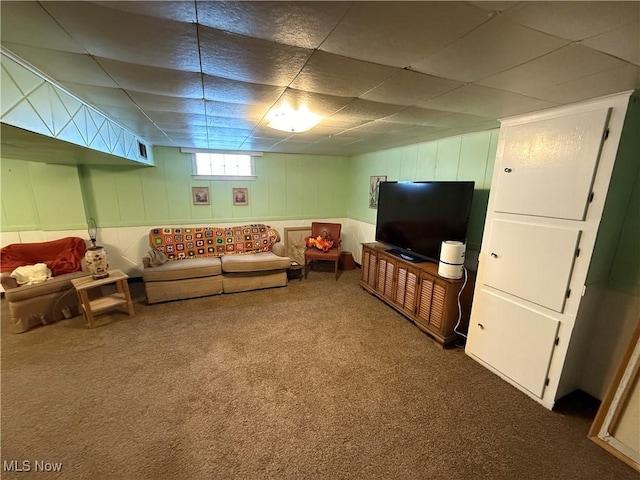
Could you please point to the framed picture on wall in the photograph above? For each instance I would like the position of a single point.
(200, 195)
(374, 186)
(241, 196)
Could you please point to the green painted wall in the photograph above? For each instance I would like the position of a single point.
(467, 157)
(40, 196)
(625, 270)
(287, 187)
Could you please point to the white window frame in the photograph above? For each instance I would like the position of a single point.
(194, 164)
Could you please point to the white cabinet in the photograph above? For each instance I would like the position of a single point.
(532, 261)
(552, 221)
(547, 166)
(514, 340)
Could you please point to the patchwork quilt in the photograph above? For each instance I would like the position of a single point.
(195, 242)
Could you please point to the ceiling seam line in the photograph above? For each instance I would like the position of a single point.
(204, 101)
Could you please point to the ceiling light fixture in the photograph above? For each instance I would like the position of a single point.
(287, 119)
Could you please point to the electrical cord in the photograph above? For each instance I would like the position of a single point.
(455, 329)
(60, 298)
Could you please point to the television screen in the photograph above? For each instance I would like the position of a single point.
(416, 217)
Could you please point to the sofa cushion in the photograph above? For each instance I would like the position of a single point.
(56, 284)
(244, 282)
(183, 269)
(258, 262)
(187, 288)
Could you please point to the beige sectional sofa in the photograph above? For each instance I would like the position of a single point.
(203, 261)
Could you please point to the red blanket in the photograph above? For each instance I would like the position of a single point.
(61, 256)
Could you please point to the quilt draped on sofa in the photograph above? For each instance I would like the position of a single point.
(196, 242)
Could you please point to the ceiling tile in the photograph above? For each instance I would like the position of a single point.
(225, 133)
(129, 117)
(100, 95)
(257, 144)
(619, 79)
(236, 110)
(493, 47)
(407, 88)
(234, 91)
(263, 131)
(301, 24)
(345, 139)
(226, 144)
(27, 23)
(568, 63)
(623, 42)
(463, 120)
(184, 130)
(228, 122)
(176, 117)
(417, 116)
(138, 39)
(379, 126)
(149, 101)
(366, 110)
(160, 81)
(317, 103)
(419, 131)
(574, 20)
(381, 32)
(170, 10)
(248, 59)
(64, 66)
(485, 102)
(342, 122)
(341, 76)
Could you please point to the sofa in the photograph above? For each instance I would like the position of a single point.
(50, 300)
(200, 261)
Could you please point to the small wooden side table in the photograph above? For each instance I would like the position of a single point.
(294, 271)
(103, 304)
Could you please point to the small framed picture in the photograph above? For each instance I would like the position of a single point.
(374, 187)
(241, 196)
(200, 195)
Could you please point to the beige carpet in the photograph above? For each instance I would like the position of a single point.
(315, 380)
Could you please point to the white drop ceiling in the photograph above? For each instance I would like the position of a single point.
(203, 74)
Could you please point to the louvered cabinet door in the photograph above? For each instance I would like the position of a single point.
(386, 268)
(431, 304)
(406, 289)
(369, 267)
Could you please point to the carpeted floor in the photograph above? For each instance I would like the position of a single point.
(315, 380)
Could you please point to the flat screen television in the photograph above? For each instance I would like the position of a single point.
(414, 218)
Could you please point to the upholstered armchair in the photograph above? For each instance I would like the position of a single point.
(329, 231)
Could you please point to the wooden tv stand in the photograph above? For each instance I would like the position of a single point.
(418, 292)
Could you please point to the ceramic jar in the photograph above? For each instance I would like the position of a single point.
(97, 262)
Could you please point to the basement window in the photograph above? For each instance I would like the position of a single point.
(210, 165)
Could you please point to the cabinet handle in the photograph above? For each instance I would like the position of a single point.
(494, 255)
(507, 170)
(481, 326)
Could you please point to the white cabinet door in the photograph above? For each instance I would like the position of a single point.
(531, 261)
(514, 340)
(547, 167)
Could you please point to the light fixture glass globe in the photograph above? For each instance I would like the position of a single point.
(92, 230)
(287, 119)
